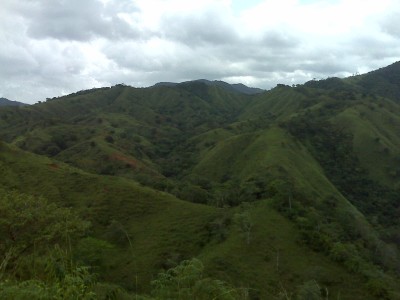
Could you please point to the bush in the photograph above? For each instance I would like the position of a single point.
(310, 290)
(378, 288)
(109, 139)
(186, 281)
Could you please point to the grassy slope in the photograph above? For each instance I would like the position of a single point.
(153, 219)
(280, 102)
(144, 124)
(275, 152)
(260, 153)
(274, 260)
(235, 137)
(376, 132)
(383, 82)
(162, 228)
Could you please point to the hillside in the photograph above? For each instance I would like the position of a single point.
(174, 230)
(270, 191)
(382, 82)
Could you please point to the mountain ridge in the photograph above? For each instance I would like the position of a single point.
(6, 102)
(236, 87)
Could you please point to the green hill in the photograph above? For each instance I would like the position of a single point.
(271, 191)
(383, 82)
(163, 230)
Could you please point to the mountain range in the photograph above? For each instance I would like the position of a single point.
(282, 193)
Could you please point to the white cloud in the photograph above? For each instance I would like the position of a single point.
(52, 46)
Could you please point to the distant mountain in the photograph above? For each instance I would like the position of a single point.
(236, 87)
(6, 102)
(240, 87)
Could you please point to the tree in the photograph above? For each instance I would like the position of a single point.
(36, 249)
(30, 225)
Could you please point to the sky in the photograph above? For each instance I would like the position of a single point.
(50, 48)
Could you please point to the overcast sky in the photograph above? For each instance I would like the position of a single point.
(54, 47)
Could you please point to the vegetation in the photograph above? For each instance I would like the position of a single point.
(195, 191)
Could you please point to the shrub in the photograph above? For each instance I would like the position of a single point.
(187, 281)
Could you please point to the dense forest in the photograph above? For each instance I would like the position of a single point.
(204, 190)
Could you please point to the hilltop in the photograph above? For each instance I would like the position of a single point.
(236, 87)
(6, 102)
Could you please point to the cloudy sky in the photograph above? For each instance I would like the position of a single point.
(54, 47)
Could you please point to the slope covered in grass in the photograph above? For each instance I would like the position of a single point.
(148, 230)
(151, 219)
(375, 128)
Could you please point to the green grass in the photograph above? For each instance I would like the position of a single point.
(262, 153)
(158, 224)
(274, 259)
(280, 102)
(164, 230)
(376, 135)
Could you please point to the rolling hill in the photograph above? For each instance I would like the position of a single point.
(270, 190)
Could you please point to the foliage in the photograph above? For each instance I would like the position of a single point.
(244, 222)
(30, 224)
(91, 251)
(310, 290)
(318, 162)
(75, 285)
(33, 231)
(187, 281)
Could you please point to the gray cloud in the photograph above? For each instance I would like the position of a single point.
(53, 47)
(279, 40)
(77, 20)
(194, 30)
(391, 23)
